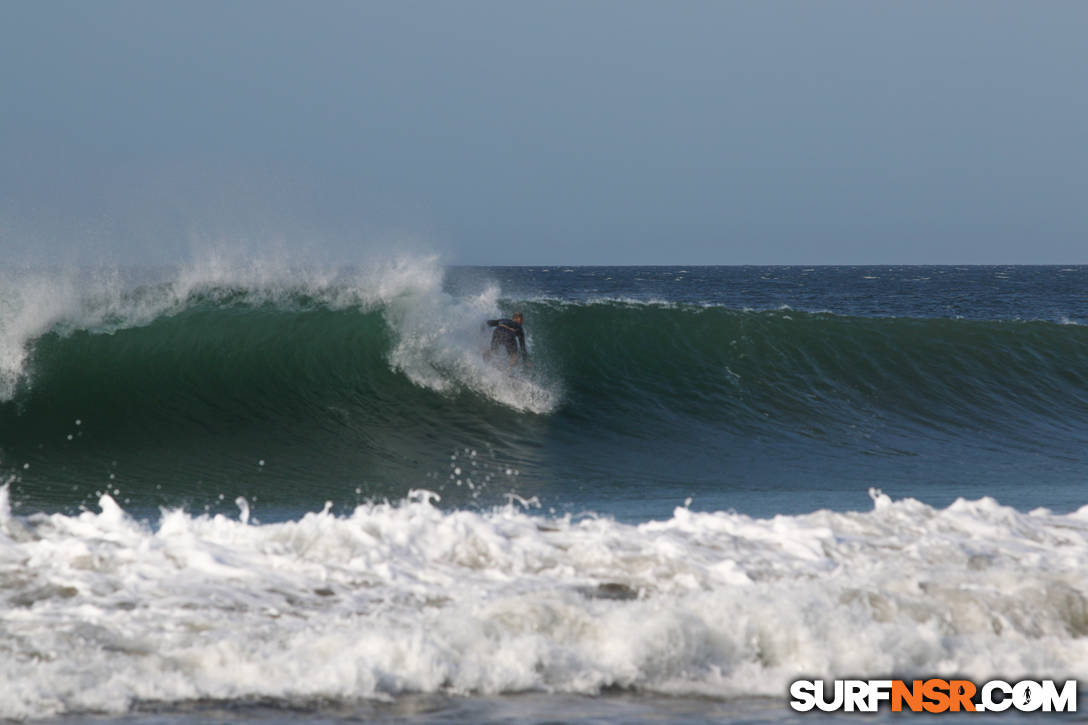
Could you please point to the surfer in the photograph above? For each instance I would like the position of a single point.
(508, 335)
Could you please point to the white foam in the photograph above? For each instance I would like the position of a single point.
(101, 612)
(440, 341)
(27, 309)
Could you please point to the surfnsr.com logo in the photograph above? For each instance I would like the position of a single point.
(933, 695)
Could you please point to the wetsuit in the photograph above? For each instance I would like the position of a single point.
(507, 335)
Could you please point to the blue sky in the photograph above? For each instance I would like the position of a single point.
(549, 132)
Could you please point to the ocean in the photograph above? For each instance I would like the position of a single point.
(261, 492)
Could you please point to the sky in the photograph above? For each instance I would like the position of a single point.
(560, 132)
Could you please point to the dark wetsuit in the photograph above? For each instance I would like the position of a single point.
(507, 335)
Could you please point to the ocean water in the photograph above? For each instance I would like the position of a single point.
(270, 493)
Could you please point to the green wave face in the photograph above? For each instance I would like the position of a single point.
(292, 399)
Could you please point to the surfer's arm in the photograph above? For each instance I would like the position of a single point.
(524, 347)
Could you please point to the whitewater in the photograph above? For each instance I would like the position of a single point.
(107, 614)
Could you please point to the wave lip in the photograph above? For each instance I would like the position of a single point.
(406, 598)
(430, 336)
